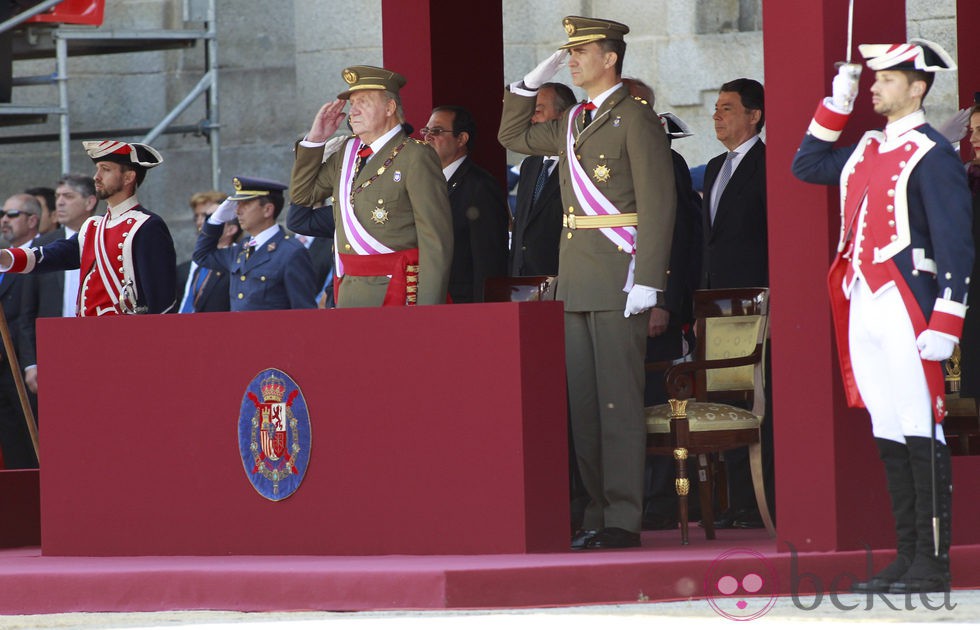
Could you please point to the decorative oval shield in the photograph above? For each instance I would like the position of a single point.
(274, 434)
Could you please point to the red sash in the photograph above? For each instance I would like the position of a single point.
(402, 266)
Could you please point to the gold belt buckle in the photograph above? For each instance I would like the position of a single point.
(570, 221)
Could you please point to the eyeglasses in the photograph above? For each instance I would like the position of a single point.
(435, 131)
(12, 214)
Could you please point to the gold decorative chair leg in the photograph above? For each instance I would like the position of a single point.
(678, 419)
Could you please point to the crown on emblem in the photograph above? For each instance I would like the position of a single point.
(273, 389)
(350, 77)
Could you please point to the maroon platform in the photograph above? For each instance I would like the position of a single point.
(435, 430)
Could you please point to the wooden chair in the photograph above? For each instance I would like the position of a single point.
(716, 401)
(516, 288)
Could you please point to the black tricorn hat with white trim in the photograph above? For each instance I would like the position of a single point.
(916, 54)
(129, 153)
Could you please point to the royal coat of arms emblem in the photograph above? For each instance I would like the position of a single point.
(274, 434)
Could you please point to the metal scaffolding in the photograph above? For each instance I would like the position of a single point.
(40, 40)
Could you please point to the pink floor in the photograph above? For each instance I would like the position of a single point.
(662, 570)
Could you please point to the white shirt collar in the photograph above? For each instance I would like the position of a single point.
(599, 100)
(380, 143)
(904, 124)
(450, 170)
(124, 206)
(263, 236)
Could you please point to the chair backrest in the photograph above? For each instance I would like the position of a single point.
(516, 289)
(732, 323)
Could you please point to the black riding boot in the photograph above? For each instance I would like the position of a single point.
(901, 489)
(929, 572)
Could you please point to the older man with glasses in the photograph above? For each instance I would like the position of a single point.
(477, 201)
(21, 215)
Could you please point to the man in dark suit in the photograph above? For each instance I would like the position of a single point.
(54, 294)
(317, 224)
(478, 203)
(537, 215)
(21, 216)
(271, 271)
(736, 251)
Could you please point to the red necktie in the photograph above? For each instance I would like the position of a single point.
(589, 108)
(362, 156)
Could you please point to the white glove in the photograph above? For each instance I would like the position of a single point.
(845, 86)
(640, 298)
(224, 213)
(935, 346)
(331, 146)
(546, 70)
(955, 128)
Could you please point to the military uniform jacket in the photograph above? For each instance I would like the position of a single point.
(410, 198)
(917, 228)
(626, 138)
(277, 276)
(145, 253)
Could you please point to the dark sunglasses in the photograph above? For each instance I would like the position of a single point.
(12, 214)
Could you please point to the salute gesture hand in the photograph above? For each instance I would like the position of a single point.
(327, 121)
(546, 70)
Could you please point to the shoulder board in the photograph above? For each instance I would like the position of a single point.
(642, 100)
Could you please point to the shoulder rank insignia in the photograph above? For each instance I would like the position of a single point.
(274, 434)
(397, 177)
(272, 247)
(617, 121)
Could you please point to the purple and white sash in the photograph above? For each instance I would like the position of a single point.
(594, 203)
(360, 240)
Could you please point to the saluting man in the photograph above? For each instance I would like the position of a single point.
(126, 258)
(270, 270)
(394, 238)
(898, 288)
(617, 186)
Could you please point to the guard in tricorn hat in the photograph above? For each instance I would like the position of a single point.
(898, 289)
(394, 235)
(619, 202)
(127, 257)
(269, 271)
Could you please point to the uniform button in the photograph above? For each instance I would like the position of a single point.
(569, 236)
(915, 272)
(949, 276)
(347, 246)
(620, 248)
(524, 248)
(262, 278)
(571, 209)
(242, 278)
(241, 295)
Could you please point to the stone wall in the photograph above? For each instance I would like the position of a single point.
(275, 72)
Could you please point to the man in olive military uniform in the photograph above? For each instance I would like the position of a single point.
(394, 235)
(270, 270)
(617, 187)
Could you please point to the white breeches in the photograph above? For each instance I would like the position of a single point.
(887, 367)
